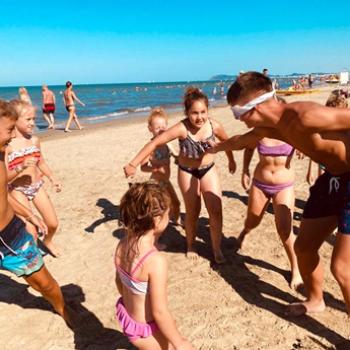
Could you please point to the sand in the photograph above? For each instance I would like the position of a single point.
(238, 306)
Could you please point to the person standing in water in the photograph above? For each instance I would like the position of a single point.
(49, 101)
(69, 97)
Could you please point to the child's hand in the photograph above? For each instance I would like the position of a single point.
(56, 185)
(38, 223)
(129, 170)
(232, 167)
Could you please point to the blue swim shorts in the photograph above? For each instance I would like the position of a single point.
(330, 196)
(18, 251)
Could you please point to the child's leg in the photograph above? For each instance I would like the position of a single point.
(283, 205)
(211, 190)
(156, 341)
(257, 203)
(175, 203)
(44, 206)
(189, 186)
(22, 198)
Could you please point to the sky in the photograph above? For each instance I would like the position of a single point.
(140, 41)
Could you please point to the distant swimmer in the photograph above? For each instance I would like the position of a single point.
(69, 97)
(215, 91)
(49, 102)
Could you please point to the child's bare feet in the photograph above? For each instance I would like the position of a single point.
(53, 250)
(192, 254)
(299, 309)
(219, 257)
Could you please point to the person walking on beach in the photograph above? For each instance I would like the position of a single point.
(197, 173)
(18, 251)
(322, 134)
(24, 95)
(49, 101)
(69, 97)
(26, 167)
(141, 271)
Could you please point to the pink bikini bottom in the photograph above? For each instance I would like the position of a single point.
(131, 328)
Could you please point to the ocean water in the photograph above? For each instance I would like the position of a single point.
(117, 101)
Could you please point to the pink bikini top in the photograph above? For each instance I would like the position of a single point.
(275, 151)
(128, 279)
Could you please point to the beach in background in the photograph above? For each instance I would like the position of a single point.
(239, 306)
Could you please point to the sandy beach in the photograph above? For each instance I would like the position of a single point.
(237, 306)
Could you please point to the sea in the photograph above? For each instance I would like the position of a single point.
(105, 102)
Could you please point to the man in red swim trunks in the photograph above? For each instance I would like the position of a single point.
(49, 101)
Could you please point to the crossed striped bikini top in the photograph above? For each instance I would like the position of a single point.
(128, 279)
(195, 149)
(275, 151)
(17, 157)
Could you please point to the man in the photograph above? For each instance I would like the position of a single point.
(266, 72)
(69, 97)
(49, 101)
(320, 133)
(18, 251)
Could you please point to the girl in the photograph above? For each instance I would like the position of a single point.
(142, 271)
(158, 163)
(273, 180)
(197, 173)
(26, 166)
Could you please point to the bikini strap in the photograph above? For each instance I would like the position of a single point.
(139, 263)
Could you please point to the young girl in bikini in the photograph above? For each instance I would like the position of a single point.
(26, 166)
(273, 180)
(158, 163)
(197, 172)
(142, 271)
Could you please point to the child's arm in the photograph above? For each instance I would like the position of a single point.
(45, 169)
(158, 297)
(247, 157)
(76, 99)
(178, 130)
(220, 133)
(25, 212)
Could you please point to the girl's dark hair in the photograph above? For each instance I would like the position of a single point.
(193, 94)
(246, 84)
(138, 207)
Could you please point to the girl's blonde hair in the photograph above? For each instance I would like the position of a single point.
(157, 113)
(138, 208)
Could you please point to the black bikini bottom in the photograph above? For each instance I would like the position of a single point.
(197, 172)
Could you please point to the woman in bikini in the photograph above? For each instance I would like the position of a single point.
(69, 97)
(197, 175)
(26, 166)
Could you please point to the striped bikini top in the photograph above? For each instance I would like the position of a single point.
(128, 279)
(17, 157)
(195, 149)
(275, 151)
